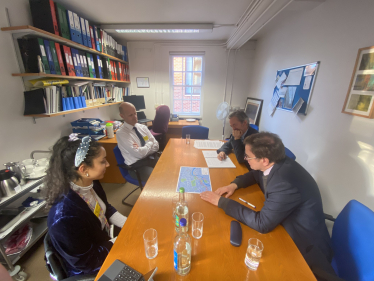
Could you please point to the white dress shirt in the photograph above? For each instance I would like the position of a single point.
(126, 137)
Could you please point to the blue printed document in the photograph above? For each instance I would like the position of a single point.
(194, 180)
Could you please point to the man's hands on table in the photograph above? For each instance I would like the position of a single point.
(221, 156)
(213, 197)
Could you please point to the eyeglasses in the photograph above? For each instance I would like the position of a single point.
(246, 157)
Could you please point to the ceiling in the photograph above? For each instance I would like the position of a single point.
(236, 21)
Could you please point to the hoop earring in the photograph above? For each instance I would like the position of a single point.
(87, 175)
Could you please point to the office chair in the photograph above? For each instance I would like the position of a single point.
(55, 264)
(254, 126)
(196, 132)
(352, 242)
(289, 153)
(160, 125)
(124, 169)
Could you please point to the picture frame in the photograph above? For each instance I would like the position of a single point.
(360, 96)
(142, 82)
(253, 108)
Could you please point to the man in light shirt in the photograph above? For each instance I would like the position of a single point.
(292, 199)
(137, 144)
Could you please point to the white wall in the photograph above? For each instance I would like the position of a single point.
(19, 135)
(151, 59)
(336, 148)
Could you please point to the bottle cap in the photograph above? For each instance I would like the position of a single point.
(109, 124)
(181, 189)
(183, 222)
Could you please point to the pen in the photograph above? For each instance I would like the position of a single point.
(253, 206)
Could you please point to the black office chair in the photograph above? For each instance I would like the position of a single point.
(56, 267)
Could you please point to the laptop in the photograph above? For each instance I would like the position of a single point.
(121, 271)
(142, 118)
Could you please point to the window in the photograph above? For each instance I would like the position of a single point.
(186, 76)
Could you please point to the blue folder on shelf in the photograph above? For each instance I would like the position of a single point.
(97, 63)
(77, 64)
(49, 57)
(75, 33)
(88, 33)
(97, 41)
(83, 29)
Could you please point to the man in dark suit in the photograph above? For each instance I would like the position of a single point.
(292, 199)
(239, 123)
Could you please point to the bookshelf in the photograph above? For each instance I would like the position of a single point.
(70, 111)
(68, 77)
(28, 29)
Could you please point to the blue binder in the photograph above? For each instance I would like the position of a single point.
(75, 34)
(83, 101)
(64, 106)
(70, 103)
(77, 64)
(97, 38)
(83, 29)
(49, 57)
(88, 33)
(99, 70)
(76, 102)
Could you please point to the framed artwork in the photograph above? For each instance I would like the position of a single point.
(360, 96)
(253, 109)
(142, 82)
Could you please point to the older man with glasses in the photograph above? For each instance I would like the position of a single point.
(292, 199)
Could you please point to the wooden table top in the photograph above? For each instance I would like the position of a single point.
(213, 257)
(182, 123)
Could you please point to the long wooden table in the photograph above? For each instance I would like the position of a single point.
(112, 174)
(213, 257)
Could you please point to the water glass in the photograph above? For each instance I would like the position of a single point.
(150, 243)
(197, 225)
(175, 200)
(254, 253)
(188, 138)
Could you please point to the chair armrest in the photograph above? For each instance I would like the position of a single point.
(329, 217)
(86, 277)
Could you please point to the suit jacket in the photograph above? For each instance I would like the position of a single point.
(292, 199)
(237, 146)
(76, 232)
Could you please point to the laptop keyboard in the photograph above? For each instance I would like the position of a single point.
(128, 274)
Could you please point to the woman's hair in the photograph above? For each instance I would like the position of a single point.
(62, 170)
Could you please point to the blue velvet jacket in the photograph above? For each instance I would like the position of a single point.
(76, 232)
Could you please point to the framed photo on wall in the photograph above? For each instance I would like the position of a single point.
(360, 96)
(253, 109)
(142, 82)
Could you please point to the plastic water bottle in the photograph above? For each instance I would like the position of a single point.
(181, 211)
(109, 130)
(182, 251)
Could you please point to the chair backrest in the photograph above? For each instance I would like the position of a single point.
(353, 242)
(289, 153)
(55, 264)
(254, 126)
(161, 121)
(196, 132)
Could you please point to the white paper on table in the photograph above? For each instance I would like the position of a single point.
(281, 80)
(207, 144)
(210, 153)
(307, 81)
(215, 163)
(282, 92)
(297, 106)
(294, 77)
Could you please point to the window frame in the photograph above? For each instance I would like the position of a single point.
(171, 82)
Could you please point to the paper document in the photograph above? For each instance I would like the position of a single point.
(207, 144)
(281, 80)
(273, 103)
(307, 81)
(194, 180)
(297, 106)
(310, 69)
(289, 97)
(213, 162)
(282, 92)
(294, 77)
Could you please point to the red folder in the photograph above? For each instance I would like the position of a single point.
(112, 70)
(92, 38)
(54, 19)
(60, 60)
(68, 60)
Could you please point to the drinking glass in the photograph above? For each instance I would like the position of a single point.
(150, 243)
(197, 225)
(188, 138)
(254, 253)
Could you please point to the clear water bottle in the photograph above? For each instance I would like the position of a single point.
(182, 251)
(181, 211)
